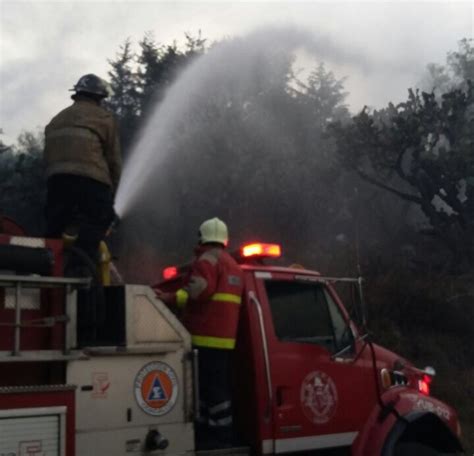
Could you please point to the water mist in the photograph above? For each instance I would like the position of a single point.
(216, 145)
(229, 66)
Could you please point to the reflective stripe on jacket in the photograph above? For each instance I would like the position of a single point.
(83, 140)
(214, 292)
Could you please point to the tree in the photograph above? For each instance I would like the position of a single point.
(160, 65)
(421, 151)
(22, 183)
(140, 81)
(325, 96)
(461, 62)
(150, 72)
(124, 101)
(3, 146)
(459, 69)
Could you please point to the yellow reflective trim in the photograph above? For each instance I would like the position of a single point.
(226, 297)
(213, 342)
(182, 297)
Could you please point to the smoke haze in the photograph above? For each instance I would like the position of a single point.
(231, 139)
(226, 73)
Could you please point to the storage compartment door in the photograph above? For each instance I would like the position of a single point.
(26, 432)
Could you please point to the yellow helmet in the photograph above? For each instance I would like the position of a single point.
(213, 230)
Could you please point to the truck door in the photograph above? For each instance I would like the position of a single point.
(318, 401)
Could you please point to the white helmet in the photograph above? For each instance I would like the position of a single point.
(213, 230)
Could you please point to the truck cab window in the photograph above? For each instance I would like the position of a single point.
(306, 313)
(342, 331)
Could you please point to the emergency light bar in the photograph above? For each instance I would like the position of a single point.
(260, 250)
(424, 385)
(253, 250)
(170, 272)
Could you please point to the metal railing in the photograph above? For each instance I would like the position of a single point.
(19, 283)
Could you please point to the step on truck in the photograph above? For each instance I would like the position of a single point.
(91, 370)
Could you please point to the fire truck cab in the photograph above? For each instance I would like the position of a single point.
(111, 370)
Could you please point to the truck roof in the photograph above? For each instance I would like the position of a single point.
(288, 269)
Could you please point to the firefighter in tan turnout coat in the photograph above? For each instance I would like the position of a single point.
(83, 166)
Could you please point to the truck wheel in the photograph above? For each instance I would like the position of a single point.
(417, 449)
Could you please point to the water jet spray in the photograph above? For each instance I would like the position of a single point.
(225, 71)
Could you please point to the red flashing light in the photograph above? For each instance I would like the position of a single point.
(260, 250)
(170, 272)
(424, 385)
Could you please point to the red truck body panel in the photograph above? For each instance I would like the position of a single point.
(289, 418)
(308, 400)
(45, 397)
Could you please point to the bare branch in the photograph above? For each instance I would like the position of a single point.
(403, 195)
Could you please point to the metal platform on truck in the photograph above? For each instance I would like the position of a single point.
(17, 302)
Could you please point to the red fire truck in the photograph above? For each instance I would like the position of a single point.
(111, 370)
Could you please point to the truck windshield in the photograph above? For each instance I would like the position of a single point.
(306, 313)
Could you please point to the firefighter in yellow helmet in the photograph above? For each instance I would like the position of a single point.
(210, 299)
(83, 166)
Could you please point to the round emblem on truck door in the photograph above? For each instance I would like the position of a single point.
(318, 397)
(156, 388)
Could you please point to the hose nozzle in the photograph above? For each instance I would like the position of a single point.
(113, 225)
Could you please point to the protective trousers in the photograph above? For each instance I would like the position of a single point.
(215, 390)
(83, 202)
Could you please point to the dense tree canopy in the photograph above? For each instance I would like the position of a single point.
(264, 164)
(422, 151)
